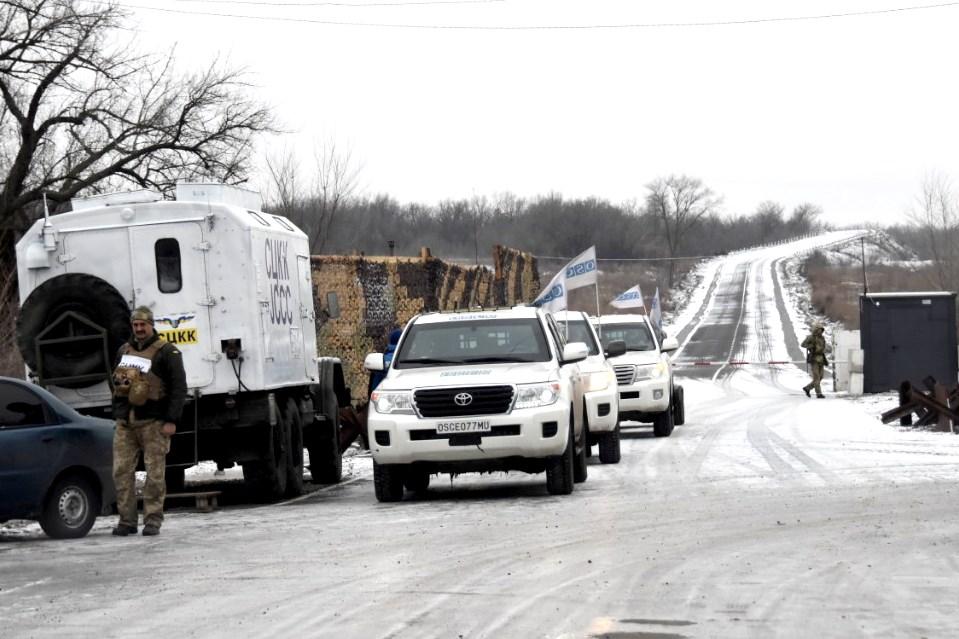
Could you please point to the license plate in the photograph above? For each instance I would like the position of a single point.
(467, 426)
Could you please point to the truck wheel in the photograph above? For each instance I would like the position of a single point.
(559, 470)
(175, 477)
(70, 509)
(388, 482)
(89, 297)
(609, 450)
(416, 481)
(326, 459)
(294, 474)
(663, 423)
(268, 474)
(679, 406)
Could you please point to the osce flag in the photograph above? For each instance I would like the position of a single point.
(655, 311)
(630, 298)
(553, 297)
(581, 270)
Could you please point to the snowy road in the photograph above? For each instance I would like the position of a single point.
(767, 514)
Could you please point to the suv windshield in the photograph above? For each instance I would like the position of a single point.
(578, 331)
(636, 336)
(472, 342)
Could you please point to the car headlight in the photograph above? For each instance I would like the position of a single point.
(392, 402)
(652, 371)
(599, 381)
(533, 395)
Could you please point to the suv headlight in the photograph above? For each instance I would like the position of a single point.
(652, 371)
(599, 381)
(533, 395)
(392, 402)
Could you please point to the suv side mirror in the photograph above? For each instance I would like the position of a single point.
(374, 362)
(575, 352)
(615, 348)
(669, 344)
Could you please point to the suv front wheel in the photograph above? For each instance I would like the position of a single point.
(559, 470)
(388, 482)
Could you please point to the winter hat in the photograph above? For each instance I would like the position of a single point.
(143, 314)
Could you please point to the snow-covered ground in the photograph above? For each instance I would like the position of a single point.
(767, 514)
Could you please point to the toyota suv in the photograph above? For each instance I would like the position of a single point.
(601, 401)
(478, 391)
(644, 373)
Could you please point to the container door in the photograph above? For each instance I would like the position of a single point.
(169, 276)
(307, 315)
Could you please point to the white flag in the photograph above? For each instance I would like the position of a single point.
(553, 297)
(655, 311)
(581, 270)
(630, 298)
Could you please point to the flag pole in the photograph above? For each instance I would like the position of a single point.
(596, 286)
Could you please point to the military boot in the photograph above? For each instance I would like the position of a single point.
(150, 530)
(122, 530)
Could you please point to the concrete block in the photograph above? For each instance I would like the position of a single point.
(856, 356)
(855, 384)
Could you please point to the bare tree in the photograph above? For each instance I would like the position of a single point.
(679, 203)
(769, 218)
(804, 218)
(81, 114)
(313, 208)
(936, 213)
(283, 189)
(480, 212)
(336, 182)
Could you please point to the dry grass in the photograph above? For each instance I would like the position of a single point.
(836, 289)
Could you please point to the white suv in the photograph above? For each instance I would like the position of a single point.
(644, 373)
(478, 391)
(601, 401)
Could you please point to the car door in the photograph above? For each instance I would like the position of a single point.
(570, 373)
(31, 447)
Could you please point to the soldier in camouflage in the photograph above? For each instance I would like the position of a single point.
(816, 350)
(149, 392)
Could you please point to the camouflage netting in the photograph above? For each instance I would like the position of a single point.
(360, 299)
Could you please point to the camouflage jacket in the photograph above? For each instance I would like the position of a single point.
(168, 366)
(816, 348)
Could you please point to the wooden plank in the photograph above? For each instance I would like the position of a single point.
(902, 413)
(944, 423)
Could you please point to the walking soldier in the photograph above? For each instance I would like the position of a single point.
(816, 350)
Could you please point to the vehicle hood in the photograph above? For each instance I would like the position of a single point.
(637, 358)
(473, 375)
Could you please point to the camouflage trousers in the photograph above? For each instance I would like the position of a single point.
(816, 371)
(129, 440)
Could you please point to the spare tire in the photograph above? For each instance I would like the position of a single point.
(89, 297)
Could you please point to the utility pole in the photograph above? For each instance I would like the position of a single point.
(865, 283)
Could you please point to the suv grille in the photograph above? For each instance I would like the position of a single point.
(625, 374)
(485, 400)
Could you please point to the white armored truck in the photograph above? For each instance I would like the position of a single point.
(229, 284)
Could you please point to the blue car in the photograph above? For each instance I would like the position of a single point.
(56, 465)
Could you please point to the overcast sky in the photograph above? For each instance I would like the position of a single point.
(850, 112)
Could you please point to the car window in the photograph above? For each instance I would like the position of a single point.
(579, 331)
(637, 336)
(20, 407)
(471, 342)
